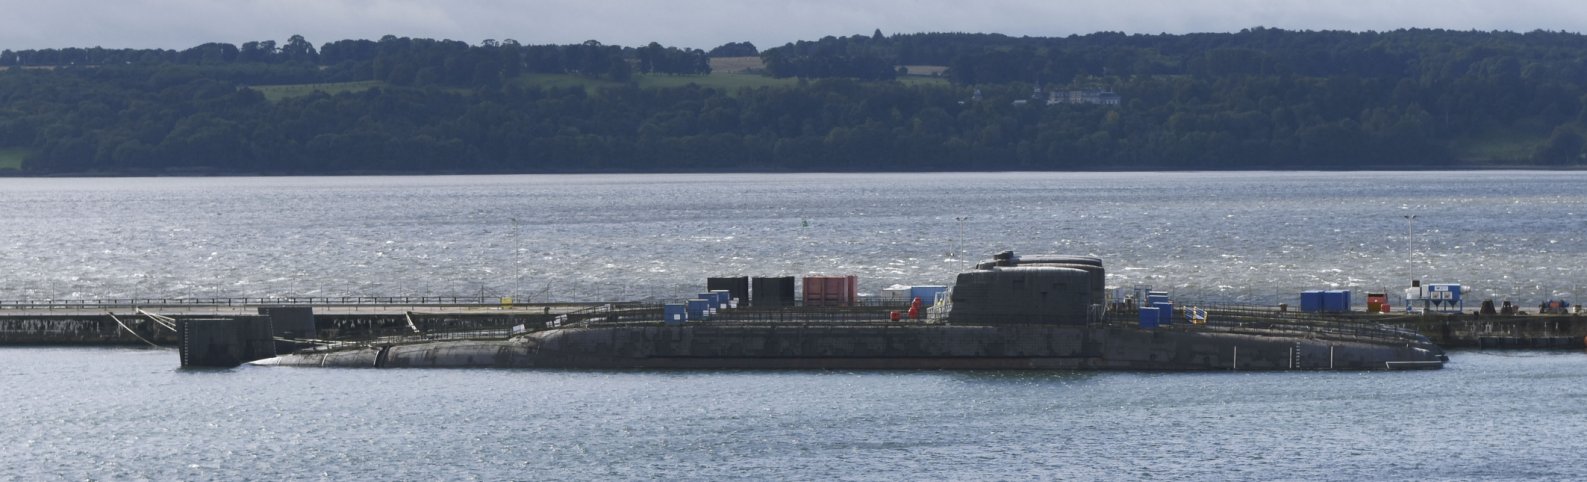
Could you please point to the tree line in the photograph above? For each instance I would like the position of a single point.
(1262, 98)
(397, 60)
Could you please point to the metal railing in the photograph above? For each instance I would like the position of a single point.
(247, 301)
(1256, 318)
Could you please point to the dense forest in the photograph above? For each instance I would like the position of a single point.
(1260, 98)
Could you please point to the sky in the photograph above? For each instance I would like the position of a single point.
(179, 24)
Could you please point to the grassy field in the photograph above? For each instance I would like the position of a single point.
(927, 70)
(730, 81)
(1501, 147)
(736, 65)
(277, 92)
(11, 157)
(724, 81)
(919, 80)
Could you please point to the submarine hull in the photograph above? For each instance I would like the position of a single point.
(1003, 347)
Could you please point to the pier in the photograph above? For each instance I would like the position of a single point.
(227, 331)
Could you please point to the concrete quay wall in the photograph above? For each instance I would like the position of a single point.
(79, 330)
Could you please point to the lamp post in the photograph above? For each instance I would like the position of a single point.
(1410, 220)
(960, 244)
(517, 262)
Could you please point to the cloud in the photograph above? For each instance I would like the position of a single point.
(707, 23)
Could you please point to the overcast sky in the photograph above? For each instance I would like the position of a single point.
(177, 24)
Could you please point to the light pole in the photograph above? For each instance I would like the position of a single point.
(517, 262)
(1410, 220)
(960, 244)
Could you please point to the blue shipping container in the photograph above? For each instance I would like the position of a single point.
(1149, 317)
(712, 298)
(1165, 313)
(1311, 301)
(697, 308)
(1336, 301)
(927, 294)
(674, 314)
(724, 298)
(1155, 299)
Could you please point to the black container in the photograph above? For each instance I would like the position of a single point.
(772, 292)
(738, 287)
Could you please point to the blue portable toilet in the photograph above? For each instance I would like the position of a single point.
(1311, 301)
(674, 314)
(1336, 301)
(1165, 313)
(697, 308)
(1149, 318)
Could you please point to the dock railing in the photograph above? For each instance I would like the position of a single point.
(328, 301)
(1237, 317)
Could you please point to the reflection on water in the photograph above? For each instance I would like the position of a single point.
(130, 414)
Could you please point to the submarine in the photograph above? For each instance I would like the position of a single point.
(1045, 312)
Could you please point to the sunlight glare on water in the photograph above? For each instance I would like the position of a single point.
(1246, 236)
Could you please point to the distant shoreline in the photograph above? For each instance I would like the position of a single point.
(1407, 168)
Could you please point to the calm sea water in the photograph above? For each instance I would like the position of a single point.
(1210, 236)
(111, 414)
(117, 414)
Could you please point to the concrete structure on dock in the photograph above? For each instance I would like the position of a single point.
(225, 342)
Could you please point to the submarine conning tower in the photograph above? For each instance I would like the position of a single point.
(1038, 289)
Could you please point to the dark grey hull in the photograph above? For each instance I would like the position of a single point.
(1010, 347)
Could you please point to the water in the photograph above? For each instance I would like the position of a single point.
(1258, 237)
(130, 414)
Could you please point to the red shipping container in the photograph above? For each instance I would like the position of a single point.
(830, 290)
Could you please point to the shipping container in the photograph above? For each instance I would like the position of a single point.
(772, 292)
(1311, 301)
(927, 294)
(1336, 301)
(830, 290)
(738, 286)
(675, 314)
(724, 298)
(1149, 317)
(1377, 303)
(898, 293)
(697, 308)
(1165, 313)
